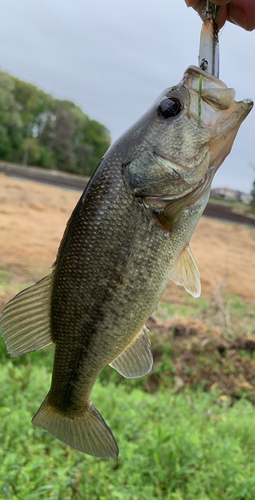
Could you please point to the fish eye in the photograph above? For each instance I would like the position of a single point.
(169, 108)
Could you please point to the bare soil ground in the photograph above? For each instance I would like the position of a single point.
(33, 217)
(32, 220)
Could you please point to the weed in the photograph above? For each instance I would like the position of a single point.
(187, 446)
(180, 435)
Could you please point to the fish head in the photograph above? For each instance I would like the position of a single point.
(192, 129)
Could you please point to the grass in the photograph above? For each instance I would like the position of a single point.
(222, 201)
(228, 311)
(236, 206)
(185, 431)
(200, 344)
(187, 307)
(5, 280)
(187, 446)
(11, 284)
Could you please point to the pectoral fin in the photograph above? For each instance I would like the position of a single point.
(25, 321)
(172, 212)
(136, 360)
(186, 273)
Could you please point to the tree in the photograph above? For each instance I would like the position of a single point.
(39, 130)
(252, 203)
(10, 120)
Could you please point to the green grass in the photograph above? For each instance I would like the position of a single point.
(230, 203)
(177, 442)
(228, 310)
(186, 446)
(237, 206)
(190, 307)
(5, 278)
(10, 285)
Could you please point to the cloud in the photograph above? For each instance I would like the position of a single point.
(114, 58)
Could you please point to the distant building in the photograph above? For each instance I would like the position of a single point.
(225, 193)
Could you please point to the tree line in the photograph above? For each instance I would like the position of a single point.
(37, 129)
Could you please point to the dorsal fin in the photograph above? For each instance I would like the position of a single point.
(186, 273)
(136, 360)
(25, 321)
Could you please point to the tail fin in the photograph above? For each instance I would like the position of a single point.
(85, 432)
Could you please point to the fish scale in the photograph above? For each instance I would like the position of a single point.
(128, 235)
(114, 305)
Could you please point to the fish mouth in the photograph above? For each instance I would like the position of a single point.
(190, 178)
(217, 100)
(192, 75)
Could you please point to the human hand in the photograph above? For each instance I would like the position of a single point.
(240, 12)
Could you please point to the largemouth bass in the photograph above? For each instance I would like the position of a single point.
(128, 235)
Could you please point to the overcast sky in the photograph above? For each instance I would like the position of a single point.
(113, 58)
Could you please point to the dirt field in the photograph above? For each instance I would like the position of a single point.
(206, 348)
(33, 217)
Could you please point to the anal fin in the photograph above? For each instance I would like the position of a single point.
(186, 273)
(136, 360)
(25, 321)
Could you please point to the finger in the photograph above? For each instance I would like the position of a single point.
(192, 3)
(222, 16)
(242, 13)
(220, 2)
